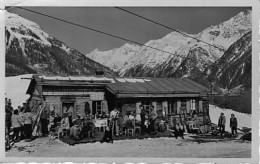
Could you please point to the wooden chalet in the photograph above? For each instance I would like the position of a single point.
(174, 99)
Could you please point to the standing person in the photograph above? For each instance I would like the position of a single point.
(51, 127)
(8, 119)
(113, 120)
(233, 124)
(28, 120)
(221, 123)
(120, 122)
(153, 116)
(22, 130)
(16, 124)
(142, 115)
(70, 112)
(44, 120)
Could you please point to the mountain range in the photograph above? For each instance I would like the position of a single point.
(31, 50)
(188, 57)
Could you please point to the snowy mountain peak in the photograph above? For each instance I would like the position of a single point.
(23, 28)
(145, 61)
(31, 50)
(228, 32)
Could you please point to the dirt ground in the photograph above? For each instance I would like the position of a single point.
(151, 147)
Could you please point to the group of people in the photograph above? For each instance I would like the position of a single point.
(21, 120)
(146, 120)
(79, 128)
(222, 124)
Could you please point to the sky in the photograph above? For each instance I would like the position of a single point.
(191, 20)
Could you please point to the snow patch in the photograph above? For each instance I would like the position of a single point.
(15, 89)
(65, 48)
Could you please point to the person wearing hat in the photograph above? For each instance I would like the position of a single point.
(233, 124)
(221, 123)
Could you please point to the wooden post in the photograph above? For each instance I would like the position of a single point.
(188, 106)
(178, 106)
(200, 106)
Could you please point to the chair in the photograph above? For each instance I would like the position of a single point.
(193, 127)
(103, 126)
(129, 128)
(129, 131)
(137, 127)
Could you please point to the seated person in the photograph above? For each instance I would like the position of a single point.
(107, 136)
(57, 120)
(128, 116)
(76, 128)
(162, 125)
(64, 124)
(196, 120)
(88, 127)
(178, 130)
(128, 121)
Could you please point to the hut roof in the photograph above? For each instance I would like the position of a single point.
(127, 87)
(156, 87)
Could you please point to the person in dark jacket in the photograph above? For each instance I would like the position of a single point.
(222, 123)
(142, 115)
(107, 136)
(233, 124)
(8, 121)
(28, 120)
(44, 120)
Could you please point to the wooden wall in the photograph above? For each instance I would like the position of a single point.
(56, 101)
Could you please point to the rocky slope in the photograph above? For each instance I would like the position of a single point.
(234, 68)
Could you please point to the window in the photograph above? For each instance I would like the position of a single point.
(183, 103)
(172, 107)
(183, 108)
(96, 107)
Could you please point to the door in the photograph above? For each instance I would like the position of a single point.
(68, 108)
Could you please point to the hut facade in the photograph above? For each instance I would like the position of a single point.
(174, 99)
(78, 95)
(177, 100)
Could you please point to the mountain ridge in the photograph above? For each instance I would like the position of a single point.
(31, 50)
(146, 62)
